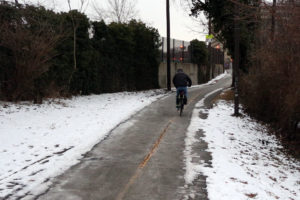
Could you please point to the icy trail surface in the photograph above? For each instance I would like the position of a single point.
(39, 142)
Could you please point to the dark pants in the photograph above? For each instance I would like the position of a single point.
(184, 89)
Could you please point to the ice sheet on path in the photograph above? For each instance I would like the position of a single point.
(211, 82)
(247, 162)
(216, 79)
(39, 142)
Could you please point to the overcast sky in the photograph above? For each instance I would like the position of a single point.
(182, 25)
(152, 12)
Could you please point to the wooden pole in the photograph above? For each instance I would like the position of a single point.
(209, 70)
(168, 47)
(273, 19)
(236, 61)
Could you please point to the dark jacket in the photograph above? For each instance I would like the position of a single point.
(181, 80)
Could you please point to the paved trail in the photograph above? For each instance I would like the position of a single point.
(142, 159)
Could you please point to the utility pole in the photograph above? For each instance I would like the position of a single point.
(210, 68)
(168, 47)
(273, 19)
(236, 60)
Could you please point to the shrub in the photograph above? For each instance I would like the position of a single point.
(271, 90)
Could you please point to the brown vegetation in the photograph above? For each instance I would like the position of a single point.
(271, 90)
(228, 95)
(251, 195)
(32, 48)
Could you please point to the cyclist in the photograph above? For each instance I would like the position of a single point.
(181, 81)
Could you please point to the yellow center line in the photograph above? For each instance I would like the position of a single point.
(131, 181)
(148, 156)
(144, 162)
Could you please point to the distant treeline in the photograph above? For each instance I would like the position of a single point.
(38, 58)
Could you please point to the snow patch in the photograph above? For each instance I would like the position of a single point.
(39, 142)
(247, 162)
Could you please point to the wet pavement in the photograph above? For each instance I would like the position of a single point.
(141, 159)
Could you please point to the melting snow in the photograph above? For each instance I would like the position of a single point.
(39, 142)
(247, 162)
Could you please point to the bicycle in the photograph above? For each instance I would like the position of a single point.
(181, 98)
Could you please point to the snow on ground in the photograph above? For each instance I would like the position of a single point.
(39, 142)
(247, 162)
(213, 81)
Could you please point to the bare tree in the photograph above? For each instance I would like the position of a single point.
(202, 27)
(75, 24)
(120, 11)
(274, 79)
(32, 50)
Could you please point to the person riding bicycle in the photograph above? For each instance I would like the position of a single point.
(181, 81)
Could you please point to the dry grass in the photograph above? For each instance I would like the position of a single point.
(251, 195)
(270, 90)
(227, 95)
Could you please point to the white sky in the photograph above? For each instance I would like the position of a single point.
(182, 25)
(152, 12)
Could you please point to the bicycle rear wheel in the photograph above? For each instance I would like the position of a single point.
(181, 105)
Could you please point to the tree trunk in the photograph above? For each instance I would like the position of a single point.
(236, 61)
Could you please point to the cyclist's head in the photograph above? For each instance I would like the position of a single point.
(179, 70)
